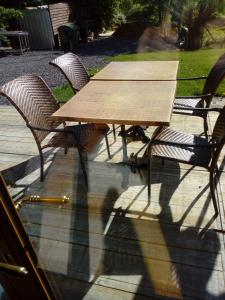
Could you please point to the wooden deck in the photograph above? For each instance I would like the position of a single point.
(110, 243)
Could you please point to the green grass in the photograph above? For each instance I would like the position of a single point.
(63, 93)
(192, 64)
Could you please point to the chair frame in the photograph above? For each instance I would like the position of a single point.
(212, 167)
(212, 81)
(35, 129)
(75, 88)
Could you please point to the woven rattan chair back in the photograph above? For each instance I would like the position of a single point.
(213, 80)
(73, 69)
(34, 101)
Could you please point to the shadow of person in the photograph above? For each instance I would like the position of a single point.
(128, 260)
(194, 278)
(191, 254)
(123, 261)
(192, 274)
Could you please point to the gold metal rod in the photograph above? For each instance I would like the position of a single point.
(13, 270)
(42, 199)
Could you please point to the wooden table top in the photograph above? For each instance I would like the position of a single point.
(121, 102)
(139, 70)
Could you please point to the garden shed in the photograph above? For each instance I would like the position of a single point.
(42, 24)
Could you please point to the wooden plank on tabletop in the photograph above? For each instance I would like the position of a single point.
(125, 103)
(138, 70)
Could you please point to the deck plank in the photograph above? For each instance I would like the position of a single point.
(110, 241)
(121, 270)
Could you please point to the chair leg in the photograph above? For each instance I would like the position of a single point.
(114, 132)
(206, 127)
(41, 165)
(212, 191)
(83, 167)
(124, 142)
(149, 178)
(107, 146)
(66, 147)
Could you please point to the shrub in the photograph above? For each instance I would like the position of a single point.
(6, 15)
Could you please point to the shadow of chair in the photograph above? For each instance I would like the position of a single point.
(73, 69)
(170, 144)
(32, 98)
(191, 105)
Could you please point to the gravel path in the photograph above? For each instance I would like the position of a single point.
(93, 54)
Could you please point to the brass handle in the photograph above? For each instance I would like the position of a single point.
(13, 270)
(37, 198)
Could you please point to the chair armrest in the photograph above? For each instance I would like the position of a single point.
(45, 129)
(203, 109)
(185, 144)
(192, 78)
(188, 97)
(159, 129)
(194, 97)
(63, 130)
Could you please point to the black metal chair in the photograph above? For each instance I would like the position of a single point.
(73, 69)
(191, 105)
(167, 143)
(33, 99)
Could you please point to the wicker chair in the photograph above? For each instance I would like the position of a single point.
(186, 148)
(73, 69)
(32, 98)
(191, 105)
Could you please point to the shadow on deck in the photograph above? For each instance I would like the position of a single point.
(110, 242)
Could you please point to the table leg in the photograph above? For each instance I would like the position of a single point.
(124, 143)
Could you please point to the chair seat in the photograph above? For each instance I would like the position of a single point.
(191, 103)
(186, 154)
(88, 135)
